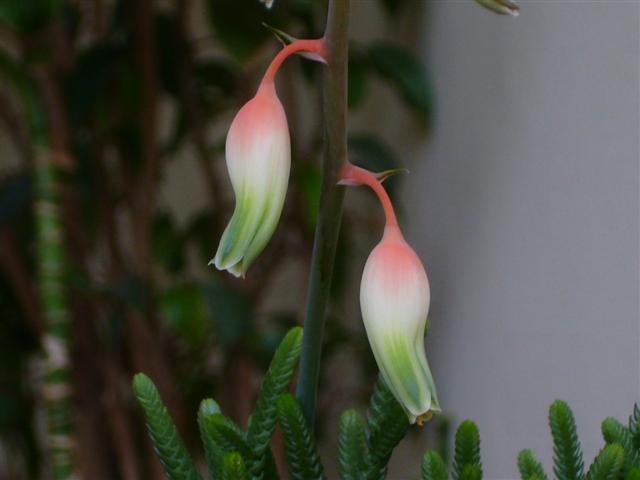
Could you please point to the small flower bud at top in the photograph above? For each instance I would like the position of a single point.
(503, 7)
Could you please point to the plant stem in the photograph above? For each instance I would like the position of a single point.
(330, 212)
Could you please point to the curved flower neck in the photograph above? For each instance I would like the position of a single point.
(352, 175)
(316, 46)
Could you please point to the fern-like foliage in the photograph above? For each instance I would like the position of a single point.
(302, 458)
(213, 455)
(529, 466)
(607, 464)
(387, 425)
(263, 420)
(467, 450)
(224, 436)
(634, 427)
(433, 467)
(233, 467)
(351, 446)
(567, 454)
(471, 472)
(633, 474)
(163, 433)
(615, 432)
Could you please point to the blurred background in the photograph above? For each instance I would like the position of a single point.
(522, 140)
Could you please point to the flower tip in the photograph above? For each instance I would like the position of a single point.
(425, 417)
(502, 7)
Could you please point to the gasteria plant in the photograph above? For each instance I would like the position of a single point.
(394, 299)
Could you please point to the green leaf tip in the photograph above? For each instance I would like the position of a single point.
(212, 451)
(233, 467)
(351, 445)
(302, 458)
(164, 434)
(433, 467)
(613, 432)
(529, 466)
(567, 453)
(387, 425)
(467, 450)
(276, 380)
(607, 464)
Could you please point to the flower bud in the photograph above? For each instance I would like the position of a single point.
(258, 154)
(503, 7)
(394, 299)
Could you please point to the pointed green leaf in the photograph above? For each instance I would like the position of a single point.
(351, 446)
(302, 458)
(567, 453)
(208, 408)
(607, 464)
(467, 449)
(223, 436)
(433, 467)
(529, 466)
(263, 420)
(387, 425)
(614, 432)
(170, 448)
(233, 467)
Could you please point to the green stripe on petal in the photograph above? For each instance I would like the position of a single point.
(267, 226)
(405, 369)
(239, 233)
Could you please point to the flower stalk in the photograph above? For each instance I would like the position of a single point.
(331, 198)
(315, 46)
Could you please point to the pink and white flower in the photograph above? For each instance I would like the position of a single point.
(394, 300)
(258, 154)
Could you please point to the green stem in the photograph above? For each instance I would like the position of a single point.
(330, 212)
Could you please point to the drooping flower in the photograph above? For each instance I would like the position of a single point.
(258, 155)
(503, 7)
(394, 300)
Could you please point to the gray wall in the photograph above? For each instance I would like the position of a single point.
(524, 206)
